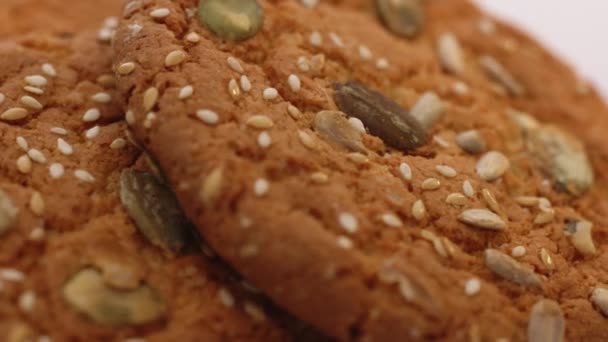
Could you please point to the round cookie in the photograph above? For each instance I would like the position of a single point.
(477, 223)
(73, 265)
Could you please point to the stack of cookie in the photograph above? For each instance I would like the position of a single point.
(291, 170)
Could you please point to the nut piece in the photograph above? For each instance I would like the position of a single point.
(8, 213)
(547, 323)
(509, 269)
(87, 293)
(155, 211)
(562, 156)
(500, 74)
(232, 19)
(334, 126)
(580, 236)
(382, 116)
(428, 109)
(403, 17)
(482, 218)
(492, 166)
(599, 297)
(471, 142)
(450, 53)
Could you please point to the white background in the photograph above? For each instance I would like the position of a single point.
(576, 30)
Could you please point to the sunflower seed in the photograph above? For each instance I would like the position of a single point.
(500, 74)
(580, 236)
(88, 294)
(13, 114)
(490, 200)
(509, 269)
(155, 211)
(232, 19)
(435, 240)
(482, 218)
(599, 297)
(382, 116)
(404, 18)
(428, 109)
(8, 213)
(547, 323)
(492, 166)
(471, 142)
(334, 126)
(450, 53)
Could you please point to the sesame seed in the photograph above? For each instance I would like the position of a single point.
(456, 199)
(306, 139)
(13, 114)
(130, 117)
(303, 64)
(316, 39)
(391, 220)
(150, 98)
(344, 242)
(92, 132)
(482, 218)
(406, 171)
(101, 97)
(310, 3)
(245, 83)
(59, 130)
(126, 68)
(472, 286)
(486, 26)
(159, 13)
(260, 122)
(546, 258)
(365, 53)
(84, 176)
(382, 63)
(225, 297)
(270, 94)
(467, 189)
(91, 115)
(37, 234)
(544, 217)
(36, 81)
(105, 34)
(111, 22)
(212, 185)
(430, 184)
(249, 250)
(319, 177)
(418, 210)
(336, 39)
(460, 88)
(185, 92)
(441, 141)
(193, 37)
(37, 204)
(527, 201)
(208, 116)
(518, 251)
(264, 140)
(254, 312)
(118, 143)
(64, 147)
(358, 158)
(30, 102)
(22, 143)
(49, 69)
(149, 120)
(174, 58)
(56, 170)
(294, 83)
(357, 124)
(261, 187)
(2, 98)
(490, 200)
(348, 222)
(446, 171)
(24, 164)
(11, 274)
(36, 156)
(235, 65)
(27, 301)
(293, 111)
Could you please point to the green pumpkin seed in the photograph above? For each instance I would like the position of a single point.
(383, 117)
(232, 19)
(403, 17)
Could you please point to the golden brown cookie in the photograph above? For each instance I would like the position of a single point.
(425, 172)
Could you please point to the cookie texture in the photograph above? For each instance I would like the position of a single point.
(488, 228)
(76, 262)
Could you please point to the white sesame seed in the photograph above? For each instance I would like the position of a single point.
(293, 111)
(91, 115)
(49, 69)
(303, 64)
(36, 80)
(518, 251)
(84, 176)
(348, 222)
(382, 63)
(126, 68)
(467, 189)
(59, 130)
(105, 34)
(56, 170)
(185, 92)
(472, 286)
(245, 83)
(11, 274)
(225, 297)
(270, 94)
(310, 3)
(208, 116)
(36, 156)
(294, 83)
(37, 234)
(391, 220)
(24, 164)
(428, 109)
(130, 117)
(418, 210)
(260, 122)
(460, 88)
(193, 37)
(2, 98)
(365, 53)
(486, 26)
(264, 140)
(357, 124)
(254, 312)
(306, 139)
(357, 158)
(30, 102)
(37, 204)
(118, 143)
(22, 143)
(101, 97)
(482, 218)
(245, 221)
(316, 39)
(446, 171)
(344, 242)
(441, 141)
(13, 114)
(111, 22)
(159, 13)
(64, 147)
(430, 184)
(336, 39)
(149, 120)
(235, 65)
(174, 58)
(92, 132)
(406, 171)
(261, 187)
(149, 98)
(319, 177)
(456, 199)
(27, 301)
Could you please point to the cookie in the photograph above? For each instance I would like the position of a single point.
(386, 171)
(93, 246)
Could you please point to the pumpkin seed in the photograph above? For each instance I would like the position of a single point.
(471, 142)
(87, 293)
(580, 236)
(509, 269)
(382, 117)
(547, 323)
(563, 157)
(156, 211)
(8, 213)
(232, 19)
(403, 17)
(599, 297)
(334, 126)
